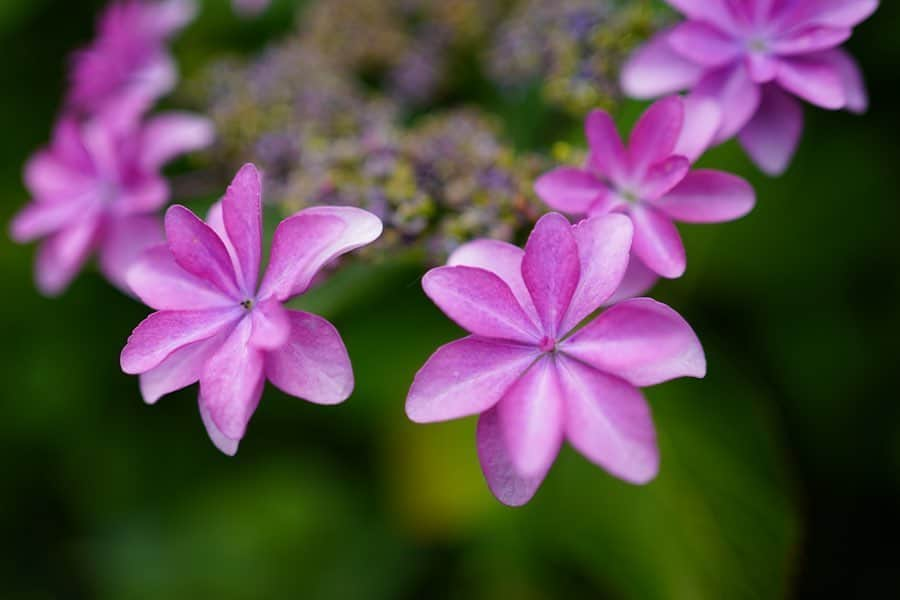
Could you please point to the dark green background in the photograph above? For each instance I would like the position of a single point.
(780, 472)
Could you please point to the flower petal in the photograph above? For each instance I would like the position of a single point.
(851, 76)
(737, 96)
(657, 243)
(814, 79)
(199, 250)
(242, 216)
(703, 44)
(642, 341)
(708, 197)
(604, 245)
(39, 219)
(773, 134)
(162, 284)
(226, 445)
(313, 364)
(832, 13)
(480, 302)
(124, 241)
(306, 242)
(63, 254)
(638, 280)
(702, 119)
(722, 13)
(551, 269)
(569, 189)
(656, 133)
(271, 325)
(164, 332)
(655, 69)
(466, 377)
(663, 176)
(607, 153)
(169, 135)
(609, 422)
(50, 176)
(811, 39)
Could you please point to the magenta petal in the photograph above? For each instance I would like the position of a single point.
(655, 69)
(642, 341)
(142, 197)
(663, 176)
(507, 485)
(702, 119)
(811, 39)
(531, 419)
(551, 269)
(124, 241)
(569, 189)
(232, 382)
(607, 153)
(466, 377)
(656, 133)
(832, 13)
(657, 243)
(313, 364)
(271, 325)
(503, 260)
(199, 250)
(703, 44)
(637, 281)
(306, 242)
(708, 197)
(163, 285)
(181, 368)
(164, 332)
(170, 135)
(851, 76)
(63, 254)
(226, 445)
(772, 136)
(604, 245)
(814, 79)
(480, 302)
(39, 219)
(721, 13)
(609, 422)
(242, 216)
(737, 96)
(762, 68)
(49, 177)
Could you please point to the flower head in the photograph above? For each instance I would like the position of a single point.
(755, 58)
(532, 375)
(216, 324)
(651, 181)
(97, 187)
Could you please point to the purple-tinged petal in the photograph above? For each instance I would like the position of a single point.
(607, 154)
(811, 39)
(656, 133)
(703, 44)
(531, 419)
(167, 136)
(569, 189)
(551, 269)
(271, 325)
(724, 14)
(242, 216)
(762, 68)
(226, 445)
(663, 176)
(313, 364)
(642, 341)
(306, 242)
(145, 196)
(851, 76)
(708, 197)
(124, 241)
(655, 69)
(638, 280)
(466, 377)
(604, 245)
(164, 332)
(657, 243)
(814, 79)
(167, 17)
(199, 250)
(833, 13)
(609, 422)
(737, 96)
(49, 177)
(162, 284)
(39, 219)
(215, 218)
(702, 119)
(773, 134)
(480, 302)
(503, 260)
(507, 485)
(63, 254)
(181, 368)
(232, 382)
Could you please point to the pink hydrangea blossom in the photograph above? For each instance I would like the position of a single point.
(128, 67)
(250, 8)
(98, 187)
(651, 181)
(756, 58)
(531, 374)
(217, 325)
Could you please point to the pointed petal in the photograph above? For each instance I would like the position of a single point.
(313, 364)
(655, 69)
(656, 133)
(63, 254)
(642, 341)
(638, 280)
(169, 135)
(663, 176)
(657, 243)
(480, 302)
(226, 445)
(702, 119)
(832, 13)
(814, 79)
(162, 284)
(507, 485)
(609, 422)
(772, 136)
(466, 377)
(704, 44)
(852, 78)
(271, 325)
(721, 13)
(708, 197)
(39, 219)
(242, 216)
(124, 242)
(811, 39)
(551, 269)
(607, 153)
(736, 94)
(49, 176)
(309, 240)
(604, 245)
(199, 250)
(164, 332)
(569, 189)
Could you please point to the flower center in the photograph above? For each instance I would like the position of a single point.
(758, 45)
(547, 344)
(629, 196)
(247, 304)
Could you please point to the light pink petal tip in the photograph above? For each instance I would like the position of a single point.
(124, 242)
(167, 136)
(569, 189)
(655, 69)
(657, 242)
(708, 197)
(607, 152)
(772, 136)
(656, 133)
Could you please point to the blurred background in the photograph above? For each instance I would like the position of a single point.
(780, 472)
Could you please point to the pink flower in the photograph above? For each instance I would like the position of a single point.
(128, 67)
(651, 181)
(532, 375)
(216, 325)
(97, 187)
(755, 58)
(250, 8)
